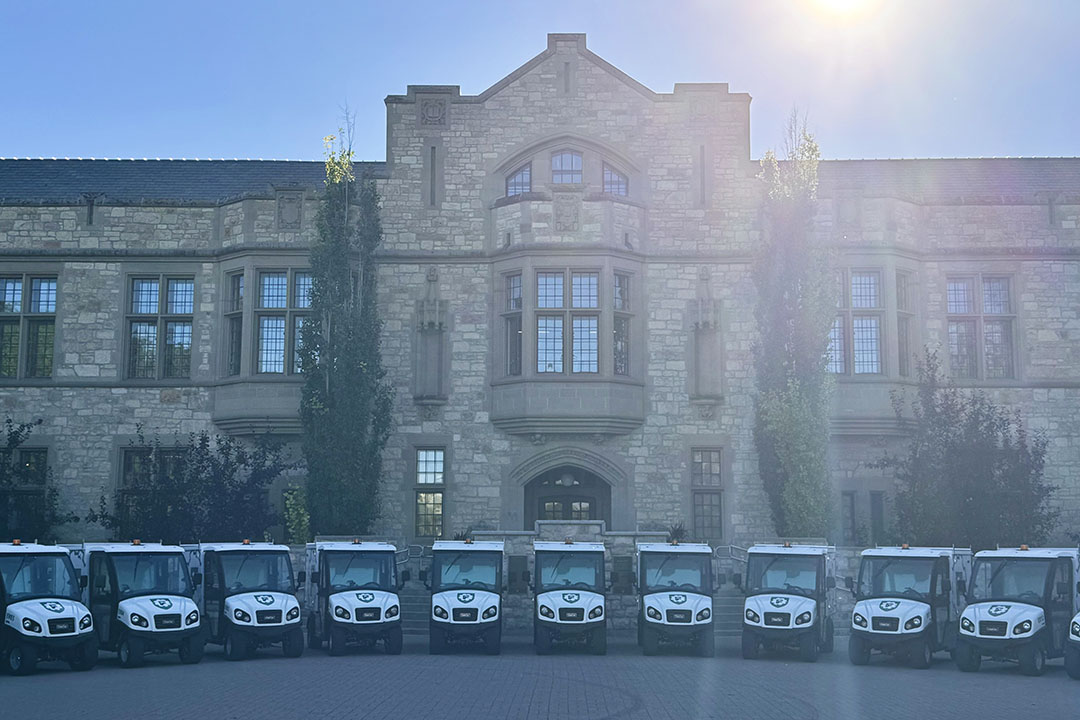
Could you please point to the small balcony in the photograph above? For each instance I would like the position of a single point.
(569, 215)
(539, 406)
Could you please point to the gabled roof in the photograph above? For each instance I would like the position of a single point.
(952, 179)
(156, 182)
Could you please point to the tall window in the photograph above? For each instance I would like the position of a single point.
(284, 299)
(981, 319)
(615, 183)
(234, 322)
(705, 493)
(858, 317)
(160, 318)
(22, 498)
(904, 321)
(512, 318)
(566, 168)
(520, 182)
(620, 346)
(139, 466)
(584, 347)
(429, 492)
(27, 326)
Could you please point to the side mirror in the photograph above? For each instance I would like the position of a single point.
(946, 585)
(736, 580)
(830, 582)
(849, 582)
(301, 577)
(82, 582)
(1078, 588)
(961, 586)
(197, 579)
(720, 579)
(1062, 589)
(406, 576)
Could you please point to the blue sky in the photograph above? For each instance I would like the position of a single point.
(906, 78)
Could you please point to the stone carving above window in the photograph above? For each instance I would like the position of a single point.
(433, 112)
(567, 212)
(290, 210)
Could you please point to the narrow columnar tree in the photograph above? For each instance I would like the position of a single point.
(345, 408)
(796, 302)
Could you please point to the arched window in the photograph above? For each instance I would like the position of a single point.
(520, 182)
(615, 183)
(566, 167)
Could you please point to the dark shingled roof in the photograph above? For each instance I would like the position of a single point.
(953, 179)
(149, 182)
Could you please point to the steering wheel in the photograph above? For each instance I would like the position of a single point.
(1032, 594)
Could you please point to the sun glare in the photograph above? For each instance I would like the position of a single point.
(844, 8)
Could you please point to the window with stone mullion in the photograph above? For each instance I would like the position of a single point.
(27, 326)
(980, 327)
(282, 306)
(160, 319)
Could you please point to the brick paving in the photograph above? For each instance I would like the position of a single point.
(518, 684)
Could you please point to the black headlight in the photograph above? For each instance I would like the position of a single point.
(752, 616)
(293, 614)
(139, 620)
(858, 620)
(966, 624)
(392, 611)
(803, 618)
(653, 613)
(32, 625)
(192, 617)
(596, 612)
(341, 612)
(1021, 628)
(439, 612)
(913, 623)
(241, 615)
(490, 613)
(546, 611)
(86, 622)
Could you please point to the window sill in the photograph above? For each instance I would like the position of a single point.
(568, 378)
(523, 197)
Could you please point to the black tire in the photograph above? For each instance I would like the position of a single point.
(967, 658)
(314, 642)
(393, 641)
(131, 652)
(750, 646)
(436, 640)
(808, 647)
(1032, 659)
(598, 642)
(237, 645)
(20, 659)
(493, 640)
(292, 644)
(650, 641)
(84, 657)
(542, 641)
(858, 650)
(921, 654)
(191, 649)
(828, 643)
(1072, 661)
(706, 643)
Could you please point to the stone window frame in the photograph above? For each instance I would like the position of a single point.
(846, 317)
(36, 486)
(126, 492)
(25, 318)
(562, 154)
(293, 314)
(233, 315)
(700, 489)
(512, 318)
(413, 487)
(522, 186)
(161, 319)
(595, 156)
(978, 318)
(623, 180)
(567, 312)
(906, 284)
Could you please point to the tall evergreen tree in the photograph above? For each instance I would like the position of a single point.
(796, 302)
(345, 407)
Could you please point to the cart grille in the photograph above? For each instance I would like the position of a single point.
(368, 613)
(572, 614)
(59, 626)
(885, 624)
(678, 616)
(990, 627)
(266, 617)
(464, 614)
(777, 619)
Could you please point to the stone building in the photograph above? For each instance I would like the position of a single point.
(568, 306)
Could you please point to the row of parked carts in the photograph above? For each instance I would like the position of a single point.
(68, 602)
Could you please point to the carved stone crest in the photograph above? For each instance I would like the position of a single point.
(433, 112)
(289, 210)
(567, 212)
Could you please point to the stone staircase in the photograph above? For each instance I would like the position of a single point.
(415, 604)
(727, 613)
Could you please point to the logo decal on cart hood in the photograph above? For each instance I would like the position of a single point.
(53, 606)
(465, 597)
(264, 599)
(888, 605)
(778, 602)
(677, 599)
(996, 610)
(571, 597)
(365, 597)
(162, 603)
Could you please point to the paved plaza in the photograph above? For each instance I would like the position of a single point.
(518, 684)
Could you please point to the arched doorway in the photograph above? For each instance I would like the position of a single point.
(567, 492)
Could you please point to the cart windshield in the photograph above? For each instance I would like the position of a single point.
(895, 577)
(253, 570)
(797, 574)
(151, 573)
(460, 569)
(562, 570)
(353, 570)
(48, 575)
(676, 571)
(1017, 579)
